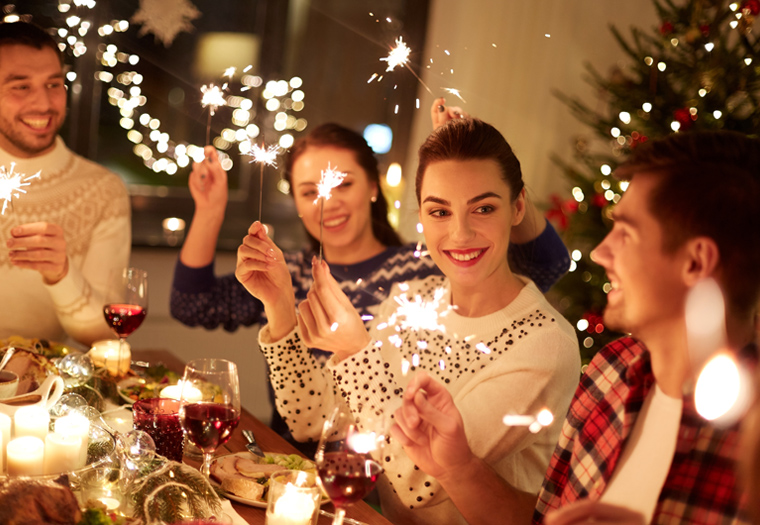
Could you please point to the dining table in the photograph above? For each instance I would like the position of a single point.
(269, 441)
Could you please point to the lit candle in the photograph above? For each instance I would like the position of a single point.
(192, 394)
(293, 507)
(62, 453)
(78, 426)
(31, 421)
(105, 354)
(25, 456)
(5, 432)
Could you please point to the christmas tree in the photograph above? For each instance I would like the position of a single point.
(699, 70)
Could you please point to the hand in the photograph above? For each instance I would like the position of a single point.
(596, 512)
(327, 318)
(430, 428)
(261, 269)
(208, 184)
(440, 114)
(40, 246)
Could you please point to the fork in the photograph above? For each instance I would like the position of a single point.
(252, 446)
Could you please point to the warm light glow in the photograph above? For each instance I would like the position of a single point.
(331, 178)
(717, 388)
(393, 176)
(213, 97)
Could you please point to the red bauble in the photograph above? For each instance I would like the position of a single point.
(753, 6)
(666, 28)
(683, 117)
(599, 201)
(705, 28)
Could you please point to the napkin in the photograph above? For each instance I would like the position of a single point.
(228, 510)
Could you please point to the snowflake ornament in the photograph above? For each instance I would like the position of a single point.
(12, 184)
(165, 18)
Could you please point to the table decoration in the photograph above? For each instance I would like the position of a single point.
(31, 421)
(159, 417)
(76, 425)
(294, 498)
(106, 354)
(103, 487)
(63, 453)
(25, 456)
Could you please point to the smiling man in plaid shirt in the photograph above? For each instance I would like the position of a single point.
(633, 449)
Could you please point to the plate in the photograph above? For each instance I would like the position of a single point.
(261, 503)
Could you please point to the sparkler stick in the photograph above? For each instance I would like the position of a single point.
(12, 185)
(265, 156)
(213, 97)
(331, 178)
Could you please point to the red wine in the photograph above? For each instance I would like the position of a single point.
(209, 425)
(124, 318)
(348, 477)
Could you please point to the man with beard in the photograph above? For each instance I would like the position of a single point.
(71, 228)
(632, 449)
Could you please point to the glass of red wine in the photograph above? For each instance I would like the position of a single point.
(126, 303)
(209, 405)
(345, 466)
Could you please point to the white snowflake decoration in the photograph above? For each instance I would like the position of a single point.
(12, 184)
(165, 18)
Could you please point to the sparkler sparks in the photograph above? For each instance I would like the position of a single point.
(12, 184)
(230, 72)
(213, 97)
(265, 155)
(456, 93)
(331, 178)
(398, 56)
(418, 314)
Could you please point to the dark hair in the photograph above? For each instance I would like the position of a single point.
(708, 185)
(336, 136)
(469, 139)
(26, 34)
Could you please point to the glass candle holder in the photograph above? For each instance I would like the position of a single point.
(294, 498)
(159, 417)
(102, 487)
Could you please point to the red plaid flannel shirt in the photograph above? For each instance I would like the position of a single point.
(701, 486)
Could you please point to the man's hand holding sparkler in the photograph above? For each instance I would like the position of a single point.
(430, 428)
(261, 269)
(327, 318)
(40, 246)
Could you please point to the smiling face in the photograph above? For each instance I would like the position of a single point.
(32, 99)
(467, 212)
(347, 216)
(648, 289)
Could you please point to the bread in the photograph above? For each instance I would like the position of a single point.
(239, 475)
(244, 487)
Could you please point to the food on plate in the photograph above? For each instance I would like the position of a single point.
(153, 379)
(38, 346)
(31, 368)
(243, 476)
(26, 501)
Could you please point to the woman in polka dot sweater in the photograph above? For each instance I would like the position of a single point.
(497, 345)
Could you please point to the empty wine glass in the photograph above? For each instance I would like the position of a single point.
(126, 305)
(346, 469)
(210, 405)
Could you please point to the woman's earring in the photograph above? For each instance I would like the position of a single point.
(373, 198)
(300, 215)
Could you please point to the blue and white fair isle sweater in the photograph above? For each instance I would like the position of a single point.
(199, 298)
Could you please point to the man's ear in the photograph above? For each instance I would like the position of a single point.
(702, 260)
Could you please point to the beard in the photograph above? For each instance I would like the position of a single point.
(32, 145)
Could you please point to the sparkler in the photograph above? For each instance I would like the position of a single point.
(331, 178)
(265, 156)
(534, 423)
(213, 97)
(456, 93)
(12, 185)
(418, 314)
(399, 56)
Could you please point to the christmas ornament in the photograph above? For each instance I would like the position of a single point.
(68, 403)
(165, 18)
(666, 28)
(76, 369)
(136, 450)
(683, 117)
(750, 7)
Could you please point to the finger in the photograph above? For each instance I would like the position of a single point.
(37, 242)
(36, 228)
(437, 112)
(306, 322)
(322, 321)
(37, 256)
(210, 154)
(398, 434)
(585, 511)
(252, 245)
(421, 381)
(332, 296)
(428, 412)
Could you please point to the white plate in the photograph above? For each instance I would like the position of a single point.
(253, 502)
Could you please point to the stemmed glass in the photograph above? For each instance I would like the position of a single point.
(346, 469)
(126, 303)
(210, 405)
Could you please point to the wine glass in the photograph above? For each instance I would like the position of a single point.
(346, 469)
(210, 405)
(126, 304)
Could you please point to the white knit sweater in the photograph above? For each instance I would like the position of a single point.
(518, 360)
(92, 206)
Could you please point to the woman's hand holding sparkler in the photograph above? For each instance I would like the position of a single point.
(261, 269)
(40, 246)
(430, 428)
(208, 185)
(440, 113)
(327, 318)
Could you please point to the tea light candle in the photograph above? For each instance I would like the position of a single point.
(62, 453)
(5, 431)
(192, 394)
(31, 421)
(105, 354)
(293, 507)
(75, 425)
(25, 456)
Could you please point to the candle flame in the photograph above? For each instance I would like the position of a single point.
(331, 178)
(398, 56)
(213, 97)
(12, 184)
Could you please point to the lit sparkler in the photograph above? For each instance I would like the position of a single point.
(264, 156)
(418, 314)
(456, 93)
(331, 178)
(12, 185)
(534, 423)
(213, 97)
(230, 72)
(398, 56)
